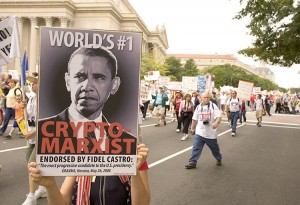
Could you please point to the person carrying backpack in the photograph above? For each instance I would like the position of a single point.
(234, 104)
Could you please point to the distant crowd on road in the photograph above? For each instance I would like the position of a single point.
(183, 104)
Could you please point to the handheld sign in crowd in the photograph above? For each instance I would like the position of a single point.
(244, 90)
(88, 102)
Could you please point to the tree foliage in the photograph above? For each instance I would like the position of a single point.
(230, 75)
(149, 64)
(190, 68)
(276, 28)
(173, 68)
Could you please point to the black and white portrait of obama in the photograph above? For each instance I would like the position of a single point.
(91, 79)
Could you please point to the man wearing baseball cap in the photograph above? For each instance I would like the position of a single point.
(160, 99)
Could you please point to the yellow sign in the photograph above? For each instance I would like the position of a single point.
(22, 126)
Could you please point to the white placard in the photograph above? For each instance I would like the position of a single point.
(244, 90)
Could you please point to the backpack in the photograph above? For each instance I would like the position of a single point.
(213, 101)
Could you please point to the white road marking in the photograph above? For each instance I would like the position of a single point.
(182, 151)
(12, 149)
(189, 148)
(276, 126)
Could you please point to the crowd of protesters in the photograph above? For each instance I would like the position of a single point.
(182, 106)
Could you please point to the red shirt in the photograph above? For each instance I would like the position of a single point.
(178, 100)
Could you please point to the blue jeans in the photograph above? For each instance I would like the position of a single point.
(9, 112)
(242, 115)
(234, 116)
(198, 146)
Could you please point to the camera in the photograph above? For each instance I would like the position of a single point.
(31, 123)
(205, 122)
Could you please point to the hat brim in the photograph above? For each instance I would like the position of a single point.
(32, 79)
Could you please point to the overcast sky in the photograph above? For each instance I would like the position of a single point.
(205, 27)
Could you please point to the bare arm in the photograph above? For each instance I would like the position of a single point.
(194, 124)
(55, 196)
(216, 122)
(140, 189)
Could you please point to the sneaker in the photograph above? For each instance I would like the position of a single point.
(259, 125)
(157, 125)
(143, 118)
(178, 130)
(40, 192)
(190, 166)
(232, 134)
(7, 137)
(219, 163)
(165, 123)
(19, 133)
(30, 200)
(185, 136)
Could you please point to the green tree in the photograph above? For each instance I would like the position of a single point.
(149, 64)
(190, 68)
(282, 89)
(173, 68)
(276, 28)
(231, 75)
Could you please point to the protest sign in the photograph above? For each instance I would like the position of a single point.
(22, 126)
(88, 89)
(244, 90)
(201, 83)
(256, 90)
(189, 84)
(9, 40)
(144, 92)
(175, 85)
(163, 80)
(152, 76)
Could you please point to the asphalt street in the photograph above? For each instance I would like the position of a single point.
(260, 165)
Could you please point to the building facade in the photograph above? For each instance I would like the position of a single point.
(113, 15)
(203, 61)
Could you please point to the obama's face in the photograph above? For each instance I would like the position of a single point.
(90, 82)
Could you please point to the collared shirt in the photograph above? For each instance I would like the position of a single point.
(76, 117)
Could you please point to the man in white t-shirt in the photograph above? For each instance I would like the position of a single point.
(206, 119)
(234, 104)
(259, 106)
